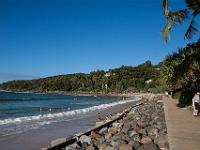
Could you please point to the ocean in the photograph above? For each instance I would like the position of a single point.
(21, 112)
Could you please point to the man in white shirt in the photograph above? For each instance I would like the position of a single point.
(196, 103)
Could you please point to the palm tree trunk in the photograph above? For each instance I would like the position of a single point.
(166, 10)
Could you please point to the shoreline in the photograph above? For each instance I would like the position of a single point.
(42, 136)
(81, 93)
(147, 131)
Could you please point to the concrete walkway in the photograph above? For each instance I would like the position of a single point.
(183, 128)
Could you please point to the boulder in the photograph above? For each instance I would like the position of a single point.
(142, 131)
(108, 136)
(114, 143)
(125, 147)
(95, 135)
(145, 140)
(85, 139)
(152, 131)
(160, 125)
(142, 124)
(117, 137)
(117, 125)
(135, 126)
(102, 146)
(103, 130)
(111, 148)
(112, 130)
(162, 141)
(126, 137)
(134, 144)
(91, 147)
(148, 146)
(134, 135)
(99, 141)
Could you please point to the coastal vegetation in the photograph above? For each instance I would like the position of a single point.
(181, 70)
(144, 77)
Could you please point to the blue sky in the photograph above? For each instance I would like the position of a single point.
(41, 38)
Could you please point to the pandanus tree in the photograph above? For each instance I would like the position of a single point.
(181, 72)
(191, 11)
(182, 68)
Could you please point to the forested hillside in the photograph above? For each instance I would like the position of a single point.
(144, 77)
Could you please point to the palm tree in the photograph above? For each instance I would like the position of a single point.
(191, 11)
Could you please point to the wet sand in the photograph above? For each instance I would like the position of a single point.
(38, 138)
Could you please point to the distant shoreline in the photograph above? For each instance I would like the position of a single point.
(112, 94)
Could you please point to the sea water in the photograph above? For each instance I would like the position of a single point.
(20, 112)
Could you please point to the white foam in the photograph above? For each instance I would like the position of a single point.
(63, 114)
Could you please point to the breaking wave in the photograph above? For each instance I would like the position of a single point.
(55, 116)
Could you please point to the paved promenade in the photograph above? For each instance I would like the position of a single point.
(183, 128)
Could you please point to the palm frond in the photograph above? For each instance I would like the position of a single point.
(193, 4)
(178, 16)
(172, 19)
(192, 29)
(166, 31)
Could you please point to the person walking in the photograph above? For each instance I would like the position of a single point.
(196, 103)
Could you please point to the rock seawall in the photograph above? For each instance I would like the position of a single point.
(143, 128)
